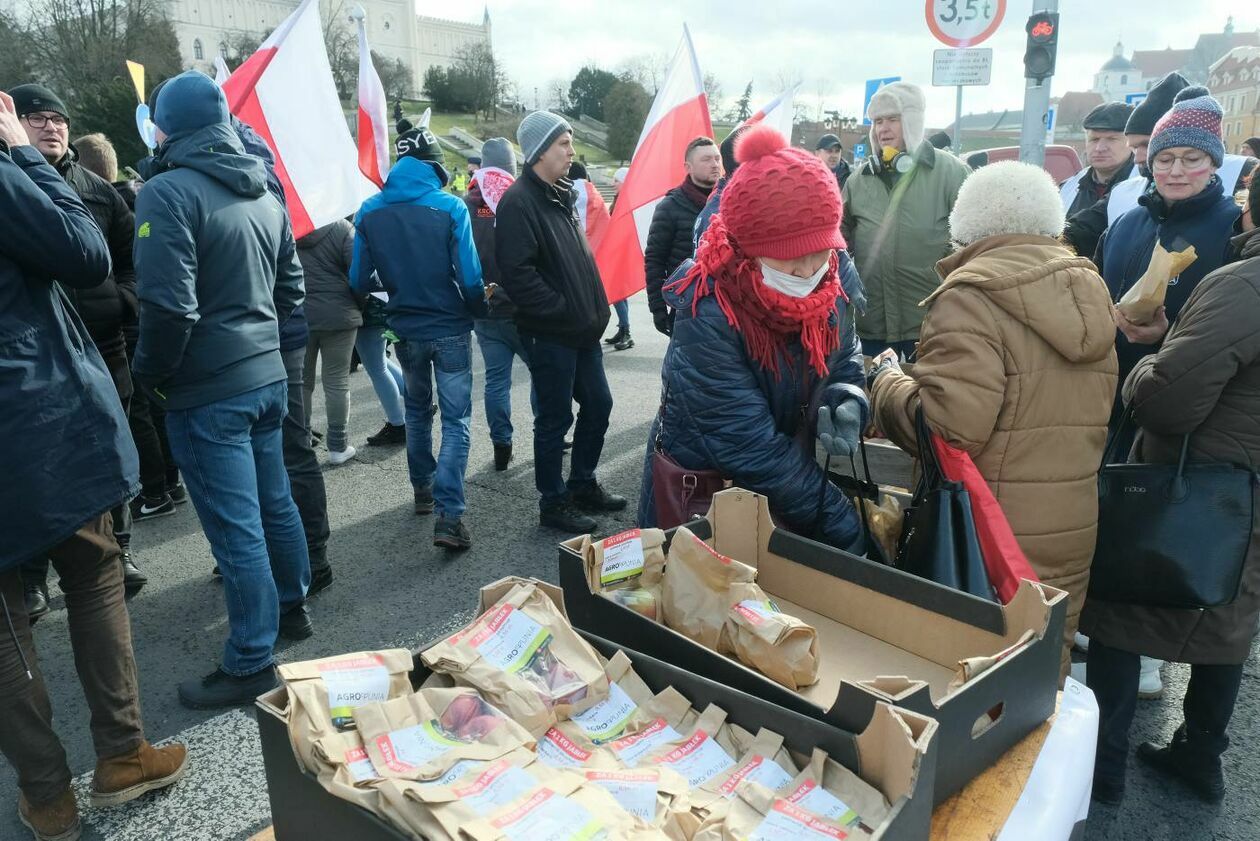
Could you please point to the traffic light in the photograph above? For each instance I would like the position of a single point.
(1042, 46)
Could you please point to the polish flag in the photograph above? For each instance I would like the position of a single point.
(373, 130)
(221, 72)
(778, 113)
(679, 115)
(285, 92)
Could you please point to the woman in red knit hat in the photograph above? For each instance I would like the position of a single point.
(764, 355)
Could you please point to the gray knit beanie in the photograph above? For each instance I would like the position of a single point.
(538, 131)
(497, 152)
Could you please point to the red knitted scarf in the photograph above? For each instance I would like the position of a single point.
(767, 319)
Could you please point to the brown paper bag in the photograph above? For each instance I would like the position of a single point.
(642, 600)
(346, 771)
(634, 558)
(323, 694)
(886, 520)
(973, 667)
(696, 590)
(662, 735)
(1147, 295)
(758, 634)
(757, 814)
(763, 759)
(567, 745)
(834, 793)
(525, 658)
(656, 796)
(568, 807)
(623, 710)
(436, 810)
(426, 734)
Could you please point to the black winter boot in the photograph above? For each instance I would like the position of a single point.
(1195, 760)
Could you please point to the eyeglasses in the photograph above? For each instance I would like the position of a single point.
(42, 120)
(1165, 163)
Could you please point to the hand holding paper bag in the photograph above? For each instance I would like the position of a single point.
(1140, 304)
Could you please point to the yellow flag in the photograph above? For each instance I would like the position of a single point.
(137, 78)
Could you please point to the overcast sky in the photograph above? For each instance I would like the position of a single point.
(837, 45)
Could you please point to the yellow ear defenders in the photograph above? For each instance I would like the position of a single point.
(891, 157)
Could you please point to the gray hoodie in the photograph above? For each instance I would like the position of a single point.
(217, 270)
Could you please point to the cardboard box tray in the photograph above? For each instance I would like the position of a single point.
(883, 636)
(896, 753)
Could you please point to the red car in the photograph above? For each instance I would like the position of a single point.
(1062, 162)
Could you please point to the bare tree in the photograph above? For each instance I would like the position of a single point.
(648, 69)
(484, 75)
(557, 95)
(713, 92)
(823, 89)
(341, 40)
(788, 77)
(395, 76)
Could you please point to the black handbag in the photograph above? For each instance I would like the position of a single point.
(1171, 536)
(939, 540)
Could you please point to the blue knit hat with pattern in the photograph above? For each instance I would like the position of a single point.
(1194, 123)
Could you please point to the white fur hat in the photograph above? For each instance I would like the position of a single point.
(1007, 197)
(906, 100)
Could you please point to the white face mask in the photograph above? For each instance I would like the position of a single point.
(790, 284)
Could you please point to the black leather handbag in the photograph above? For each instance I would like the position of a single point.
(1172, 536)
(939, 540)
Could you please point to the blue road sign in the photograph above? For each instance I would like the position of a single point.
(873, 85)
(1134, 98)
(859, 151)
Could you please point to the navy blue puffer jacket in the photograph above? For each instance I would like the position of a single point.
(723, 412)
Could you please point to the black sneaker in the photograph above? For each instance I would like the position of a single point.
(1182, 759)
(389, 436)
(424, 501)
(321, 579)
(133, 578)
(35, 595)
(451, 533)
(295, 623)
(621, 334)
(216, 574)
(220, 689)
(626, 342)
(502, 456)
(566, 518)
(592, 497)
(177, 492)
(151, 507)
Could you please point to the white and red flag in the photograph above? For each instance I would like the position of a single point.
(285, 92)
(679, 114)
(373, 130)
(776, 113)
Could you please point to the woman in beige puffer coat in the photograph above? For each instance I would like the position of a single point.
(1017, 367)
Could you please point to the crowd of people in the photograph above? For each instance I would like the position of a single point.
(161, 339)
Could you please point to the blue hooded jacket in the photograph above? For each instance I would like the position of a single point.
(417, 239)
(724, 412)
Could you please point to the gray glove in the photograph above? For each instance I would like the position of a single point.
(840, 429)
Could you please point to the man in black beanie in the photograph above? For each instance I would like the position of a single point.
(106, 309)
(1110, 161)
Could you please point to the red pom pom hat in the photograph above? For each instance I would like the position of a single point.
(782, 202)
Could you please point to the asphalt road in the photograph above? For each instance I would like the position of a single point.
(393, 588)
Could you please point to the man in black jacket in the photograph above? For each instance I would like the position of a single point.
(105, 309)
(548, 271)
(669, 237)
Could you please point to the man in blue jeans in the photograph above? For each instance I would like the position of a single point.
(561, 312)
(417, 239)
(218, 271)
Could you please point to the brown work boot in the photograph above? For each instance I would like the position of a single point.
(123, 778)
(56, 820)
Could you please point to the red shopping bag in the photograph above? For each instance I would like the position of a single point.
(1004, 561)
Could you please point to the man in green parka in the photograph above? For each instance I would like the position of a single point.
(896, 219)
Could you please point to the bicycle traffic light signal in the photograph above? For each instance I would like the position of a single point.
(1042, 46)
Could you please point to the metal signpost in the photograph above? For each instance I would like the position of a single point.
(962, 24)
(1039, 60)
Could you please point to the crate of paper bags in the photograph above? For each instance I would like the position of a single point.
(633, 749)
(987, 673)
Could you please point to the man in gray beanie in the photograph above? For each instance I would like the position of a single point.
(550, 274)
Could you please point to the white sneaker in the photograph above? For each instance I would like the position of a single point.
(341, 457)
(1150, 685)
(1080, 642)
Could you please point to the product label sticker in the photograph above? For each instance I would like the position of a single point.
(497, 786)
(699, 759)
(756, 612)
(813, 797)
(757, 770)
(353, 683)
(509, 639)
(360, 765)
(606, 720)
(559, 751)
(623, 557)
(546, 816)
(788, 821)
(631, 749)
(456, 771)
(635, 791)
(411, 747)
(715, 553)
